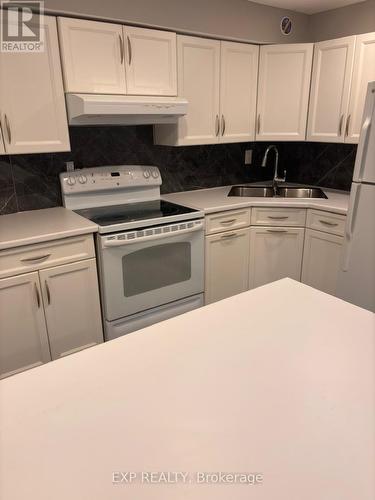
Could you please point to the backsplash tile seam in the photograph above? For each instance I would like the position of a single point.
(335, 167)
(6, 202)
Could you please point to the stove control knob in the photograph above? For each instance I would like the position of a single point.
(146, 174)
(82, 179)
(71, 181)
(155, 174)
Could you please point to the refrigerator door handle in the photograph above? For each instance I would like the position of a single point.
(352, 210)
(362, 150)
(350, 224)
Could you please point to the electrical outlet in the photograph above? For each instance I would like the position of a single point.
(248, 156)
(69, 166)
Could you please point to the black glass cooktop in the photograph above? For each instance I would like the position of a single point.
(117, 214)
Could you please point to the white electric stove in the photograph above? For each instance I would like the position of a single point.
(150, 252)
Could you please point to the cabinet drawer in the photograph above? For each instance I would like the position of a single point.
(226, 221)
(278, 216)
(42, 255)
(326, 221)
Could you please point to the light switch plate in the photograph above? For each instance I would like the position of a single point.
(248, 156)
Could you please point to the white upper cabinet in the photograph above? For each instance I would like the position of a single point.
(33, 115)
(342, 70)
(23, 334)
(198, 81)
(72, 307)
(219, 79)
(92, 56)
(151, 64)
(238, 91)
(330, 89)
(283, 92)
(198, 68)
(363, 73)
(106, 58)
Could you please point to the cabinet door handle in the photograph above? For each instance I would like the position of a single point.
(278, 217)
(277, 230)
(229, 221)
(1, 131)
(121, 42)
(347, 125)
(7, 126)
(130, 55)
(340, 124)
(222, 125)
(227, 236)
(217, 125)
(37, 295)
(333, 224)
(258, 124)
(36, 259)
(48, 292)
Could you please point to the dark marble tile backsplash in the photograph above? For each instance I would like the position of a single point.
(8, 199)
(30, 182)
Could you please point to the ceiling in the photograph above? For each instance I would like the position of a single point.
(308, 6)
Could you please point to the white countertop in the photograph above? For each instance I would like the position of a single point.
(277, 381)
(36, 226)
(216, 200)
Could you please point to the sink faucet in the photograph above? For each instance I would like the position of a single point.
(276, 179)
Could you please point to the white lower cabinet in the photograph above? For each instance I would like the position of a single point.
(275, 253)
(321, 261)
(23, 333)
(72, 307)
(275, 246)
(227, 264)
(50, 311)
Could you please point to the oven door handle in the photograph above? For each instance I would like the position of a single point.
(121, 243)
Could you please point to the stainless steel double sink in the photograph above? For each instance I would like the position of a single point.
(278, 192)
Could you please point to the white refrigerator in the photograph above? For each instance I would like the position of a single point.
(356, 281)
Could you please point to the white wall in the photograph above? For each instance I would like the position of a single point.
(232, 19)
(352, 20)
(227, 19)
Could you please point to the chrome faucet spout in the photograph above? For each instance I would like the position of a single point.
(276, 178)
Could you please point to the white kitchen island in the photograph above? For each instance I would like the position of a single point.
(278, 381)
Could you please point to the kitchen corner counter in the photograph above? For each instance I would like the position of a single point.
(227, 387)
(37, 226)
(216, 200)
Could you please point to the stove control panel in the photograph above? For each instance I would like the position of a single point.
(111, 178)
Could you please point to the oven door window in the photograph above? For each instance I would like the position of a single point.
(155, 267)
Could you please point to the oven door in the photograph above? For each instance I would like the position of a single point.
(146, 268)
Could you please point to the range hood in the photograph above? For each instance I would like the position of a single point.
(98, 109)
